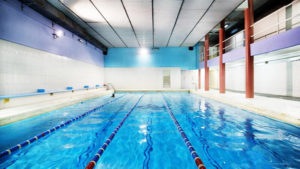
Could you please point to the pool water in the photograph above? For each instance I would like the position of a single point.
(223, 136)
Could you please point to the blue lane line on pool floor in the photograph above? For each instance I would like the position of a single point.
(149, 147)
(187, 142)
(43, 134)
(101, 150)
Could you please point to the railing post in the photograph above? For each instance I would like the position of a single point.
(248, 58)
(206, 50)
(221, 64)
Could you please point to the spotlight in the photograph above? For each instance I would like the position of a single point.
(58, 34)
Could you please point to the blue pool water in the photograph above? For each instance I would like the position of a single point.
(223, 136)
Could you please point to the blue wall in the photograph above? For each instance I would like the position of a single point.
(29, 28)
(163, 57)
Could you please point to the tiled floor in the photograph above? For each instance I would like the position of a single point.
(273, 107)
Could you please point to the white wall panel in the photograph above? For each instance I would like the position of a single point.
(189, 79)
(141, 78)
(296, 78)
(270, 78)
(24, 70)
(235, 77)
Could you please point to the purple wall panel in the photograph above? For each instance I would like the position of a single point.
(283, 40)
(27, 27)
(213, 62)
(201, 65)
(236, 54)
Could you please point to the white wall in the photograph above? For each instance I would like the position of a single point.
(189, 79)
(24, 70)
(296, 78)
(271, 78)
(141, 78)
(214, 77)
(235, 77)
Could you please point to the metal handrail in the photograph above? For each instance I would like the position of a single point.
(233, 36)
(277, 24)
(276, 12)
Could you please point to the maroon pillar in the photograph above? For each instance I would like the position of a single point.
(221, 64)
(206, 51)
(248, 58)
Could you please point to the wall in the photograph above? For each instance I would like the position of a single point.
(30, 58)
(127, 68)
(296, 78)
(24, 70)
(189, 79)
(29, 28)
(235, 77)
(273, 78)
(163, 57)
(141, 78)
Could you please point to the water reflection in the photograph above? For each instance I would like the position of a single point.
(222, 121)
(249, 133)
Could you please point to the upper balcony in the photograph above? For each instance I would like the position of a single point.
(278, 30)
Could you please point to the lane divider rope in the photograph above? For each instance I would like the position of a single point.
(43, 134)
(101, 150)
(187, 142)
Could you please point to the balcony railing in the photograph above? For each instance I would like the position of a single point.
(277, 22)
(234, 41)
(271, 25)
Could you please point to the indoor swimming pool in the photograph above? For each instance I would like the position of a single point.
(149, 136)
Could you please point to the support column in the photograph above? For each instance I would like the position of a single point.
(248, 58)
(206, 51)
(221, 64)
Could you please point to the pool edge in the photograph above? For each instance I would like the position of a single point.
(279, 116)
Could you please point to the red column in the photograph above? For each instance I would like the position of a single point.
(248, 58)
(199, 78)
(221, 64)
(251, 18)
(206, 51)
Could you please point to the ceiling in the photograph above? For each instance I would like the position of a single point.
(147, 23)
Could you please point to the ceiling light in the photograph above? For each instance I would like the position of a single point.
(144, 55)
(226, 25)
(143, 51)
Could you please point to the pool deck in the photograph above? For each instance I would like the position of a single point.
(25, 107)
(276, 108)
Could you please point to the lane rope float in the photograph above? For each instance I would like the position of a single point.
(187, 142)
(101, 150)
(43, 134)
